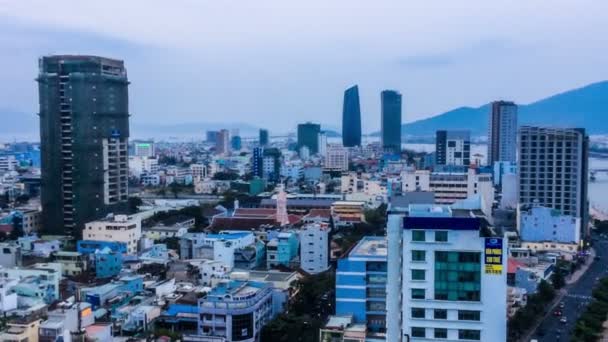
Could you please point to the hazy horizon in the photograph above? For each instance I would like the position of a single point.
(273, 64)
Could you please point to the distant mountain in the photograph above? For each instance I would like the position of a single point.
(585, 107)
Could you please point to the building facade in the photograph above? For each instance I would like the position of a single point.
(264, 138)
(391, 120)
(314, 248)
(361, 285)
(552, 170)
(84, 132)
(453, 148)
(351, 118)
(502, 132)
(540, 224)
(447, 277)
(336, 158)
(308, 135)
(222, 142)
(116, 228)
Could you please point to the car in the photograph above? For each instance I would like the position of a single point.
(561, 305)
(563, 320)
(557, 313)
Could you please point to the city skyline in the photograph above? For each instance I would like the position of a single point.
(446, 71)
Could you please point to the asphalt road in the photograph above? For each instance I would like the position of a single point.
(577, 296)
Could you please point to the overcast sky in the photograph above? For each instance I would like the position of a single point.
(276, 63)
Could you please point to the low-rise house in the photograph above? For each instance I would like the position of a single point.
(21, 330)
(341, 328)
(282, 250)
(73, 263)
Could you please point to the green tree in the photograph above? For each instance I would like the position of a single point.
(134, 203)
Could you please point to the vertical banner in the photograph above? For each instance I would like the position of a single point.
(493, 255)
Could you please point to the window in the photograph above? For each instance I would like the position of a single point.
(468, 315)
(466, 334)
(418, 235)
(440, 314)
(418, 313)
(457, 276)
(441, 333)
(418, 294)
(418, 332)
(418, 274)
(418, 255)
(441, 236)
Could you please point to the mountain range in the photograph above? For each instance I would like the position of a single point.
(585, 107)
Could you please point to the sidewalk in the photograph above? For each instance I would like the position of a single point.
(573, 278)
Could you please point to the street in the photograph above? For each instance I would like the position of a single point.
(575, 301)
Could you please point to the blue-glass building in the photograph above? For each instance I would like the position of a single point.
(264, 137)
(90, 246)
(351, 118)
(391, 120)
(361, 284)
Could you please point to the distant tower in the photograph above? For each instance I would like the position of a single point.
(502, 132)
(351, 118)
(391, 120)
(282, 217)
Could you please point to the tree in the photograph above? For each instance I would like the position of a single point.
(174, 187)
(134, 203)
(557, 279)
(225, 176)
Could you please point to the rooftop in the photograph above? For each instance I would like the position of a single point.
(237, 288)
(370, 246)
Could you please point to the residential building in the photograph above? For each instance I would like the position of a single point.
(40, 281)
(342, 329)
(212, 272)
(282, 249)
(314, 248)
(21, 331)
(501, 169)
(553, 170)
(446, 276)
(8, 163)
(322, 141)
(236, 143)
(84, 132)
(107, 263)
(199, 171)
(235, 311)
(139, 165)
(8, 298)
(72, 263)
(308, 135)
(347, 213)
(68, 320)
(212, 137)
(391, 120)
(542, 224)
(336, 158)
(502, 132)
(450, 187)
(351, 118)
(90, 246)
(219, 247)
(453, 148)
(10, 254)
(144, 149)
(264, 138)
(117, 228)
(222, 144)
(361, 286)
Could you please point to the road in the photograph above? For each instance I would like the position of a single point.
(577, 296)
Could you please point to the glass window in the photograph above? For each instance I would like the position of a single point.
(466, 334)
(418, 332)
(418, 313)
(441, 333)
(468, 315)
(418, 294)
(418, 235)
(418, 255)
(441, 236)
(440, 314)
(418, 275)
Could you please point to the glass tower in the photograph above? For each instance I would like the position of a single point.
(351, 118)
(391, 120)
(308, 135)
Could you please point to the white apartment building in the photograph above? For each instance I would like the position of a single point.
(450, 187)
(447, 276)
(453, 148)
(336, 158)
(314, 248)
(139, 165)
(322, 137)
(8, 163)
(199, 171)
(144, 149)
(118, 228)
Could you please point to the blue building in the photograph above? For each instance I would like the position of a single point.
(361, 284)
(351, 118)
(107, 263)
(236, 143)
(282, 249)
(90, 246)
(115, 294)
(391, 120)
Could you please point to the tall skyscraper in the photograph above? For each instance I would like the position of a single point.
(453, 148)
(222, 143)
(308, 135)
(263, 137)
(84, 132)
(552, 170)
(212, 136)
(351, 118)
(391, 120)
(322, 141)
(502, 132)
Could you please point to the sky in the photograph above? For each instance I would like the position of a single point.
(276, 63)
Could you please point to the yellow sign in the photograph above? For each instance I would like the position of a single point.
(494, 269)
